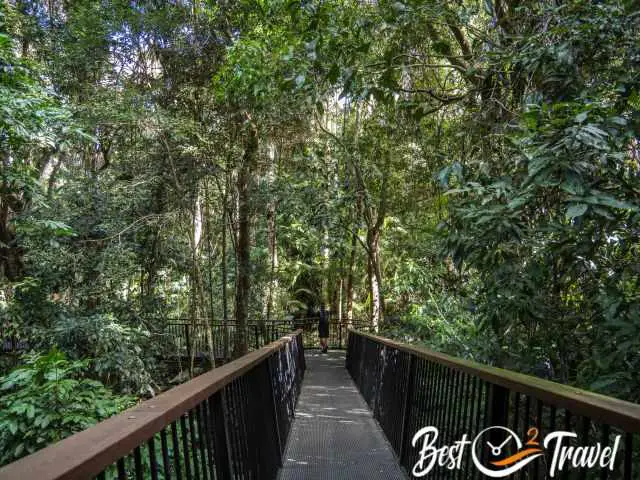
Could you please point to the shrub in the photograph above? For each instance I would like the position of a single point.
(48, 399)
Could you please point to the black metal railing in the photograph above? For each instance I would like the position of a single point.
(408, 388)
(184, 338)
(230, 423)
(11, 343)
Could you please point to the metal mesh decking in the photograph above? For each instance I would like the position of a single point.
(334, 435)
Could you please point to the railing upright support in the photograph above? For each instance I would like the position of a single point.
(274, 409)
(498, 405)
(406, 407)
(220, 440)
(498, 412)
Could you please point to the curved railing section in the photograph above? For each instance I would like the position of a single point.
(229, 423)
(409, 388)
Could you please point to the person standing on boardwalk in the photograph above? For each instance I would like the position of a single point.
(323, 329)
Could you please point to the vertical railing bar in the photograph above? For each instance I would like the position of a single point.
(166, 466)
(269, 362)
(498, 413)
(457, 407)
(628, 452)
(466, 380)
(153, 464)
(442, 398)
(220, 440)
(137, 458)
(449, 404)
(176, 450)
(246, 420)
(252, 424)
(536, 462)
(482, 387)
(469, 421)
(194, 445)
(185, 447)
(201, 441)
(208, 428)
(415, 415)
(516, 412)
(567, 427)
(444, 401)
(406, 405)
(604, 440)
(122, 472)
(584, 440)
(552, 419)
(233, 415)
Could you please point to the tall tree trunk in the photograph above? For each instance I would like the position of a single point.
(340, 288)
(209, 233)
(352, 262)
(272, 225)
(197, 291)
(375, 277)
(273, 254)
(223, 268)
(243, 246)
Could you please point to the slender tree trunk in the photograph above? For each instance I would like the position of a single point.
(273, 254)
(272, 226)
(196, 298)
(375, 278)
(223, 269)
(209, 233)
(350, 274)
(243, 246)
(340, 288)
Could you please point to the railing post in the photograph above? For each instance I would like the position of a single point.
(274, 408)
(406, 407)
(220, 441)
(498, 405)
(498, 398)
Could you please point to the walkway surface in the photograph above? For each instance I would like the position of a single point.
(334, 435)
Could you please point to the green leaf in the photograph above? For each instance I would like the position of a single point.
(19, 449)
(581, 117)
(516, 202)
(576, 210)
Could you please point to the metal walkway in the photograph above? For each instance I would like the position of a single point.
(334, 435)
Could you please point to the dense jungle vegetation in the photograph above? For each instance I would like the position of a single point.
(463, 174)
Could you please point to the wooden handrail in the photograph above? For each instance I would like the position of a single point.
(600, 408)
(87, 453)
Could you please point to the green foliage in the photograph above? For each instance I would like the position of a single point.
(550, 220)
(47, 399)
(481, 158)
(116, 350)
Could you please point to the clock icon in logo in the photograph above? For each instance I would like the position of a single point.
(504, 451)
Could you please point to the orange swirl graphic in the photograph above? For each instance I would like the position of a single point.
(516, 457)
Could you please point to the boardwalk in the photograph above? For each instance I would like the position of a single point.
(334, 435)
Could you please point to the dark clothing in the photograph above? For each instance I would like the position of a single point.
(323, 325)
(323, 329)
